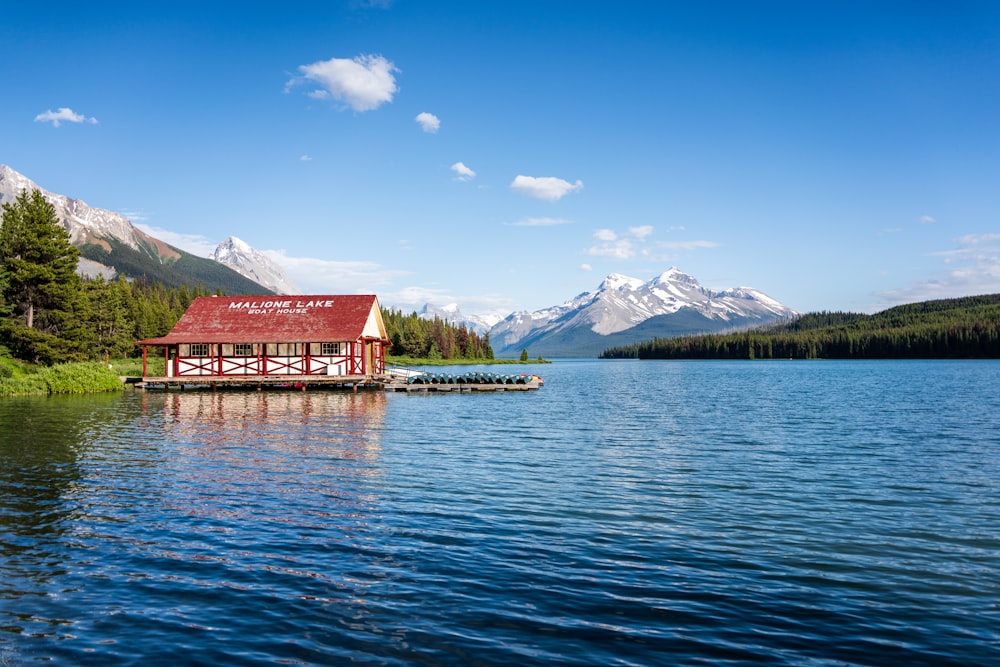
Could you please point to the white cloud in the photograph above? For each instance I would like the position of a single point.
(686, 245)
(135, 216)
(192, 243)
(636, 243)
(586, 267)
(321, 276)
(305, 158)
(546, 188)
(64, 115)
(975, 269)
(540, 222)
(927, 220)
(620, 249)
(363, 83)
(415, 297)
(429, 122)
(464, 173)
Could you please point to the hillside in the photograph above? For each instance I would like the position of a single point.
(963, 328)
(185, 269)
(111, 240)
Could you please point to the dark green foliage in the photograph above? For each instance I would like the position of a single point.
(40, 290)
(965, 328)
(49, 315)
(37, 264)
(187, 270)
(414, 336)
(107, 319)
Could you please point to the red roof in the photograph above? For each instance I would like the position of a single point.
(276, 319)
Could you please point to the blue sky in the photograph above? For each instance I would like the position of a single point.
(509, 155)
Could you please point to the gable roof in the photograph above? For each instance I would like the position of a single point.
(267, 319)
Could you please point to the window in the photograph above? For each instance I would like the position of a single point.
(243, 349)
(199, 349)
(330, 349)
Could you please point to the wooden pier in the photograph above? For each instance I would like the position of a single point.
(386, 382)
(261, 382)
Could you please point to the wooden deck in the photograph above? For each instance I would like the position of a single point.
(260, 382)
(306, 382)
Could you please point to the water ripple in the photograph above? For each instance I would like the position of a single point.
(626, 514)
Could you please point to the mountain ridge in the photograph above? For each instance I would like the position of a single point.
(623, 310)
(246, 260)
(112, 245)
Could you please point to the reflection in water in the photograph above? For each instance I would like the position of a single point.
(163, 499)
(285, 442)
(41, 443)
(299, 422)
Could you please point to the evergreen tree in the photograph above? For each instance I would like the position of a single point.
(109, 318)
(37, 262)
(38, 283)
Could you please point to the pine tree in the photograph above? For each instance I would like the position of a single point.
(39, 288)
(37, 263)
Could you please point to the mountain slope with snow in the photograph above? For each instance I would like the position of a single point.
(111, 245)
(627, 309)
(255, 265)
(452, 313)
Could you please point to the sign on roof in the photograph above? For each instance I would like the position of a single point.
(302, 319)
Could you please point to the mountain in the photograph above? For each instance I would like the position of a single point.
(110, 245)
(451, 312)
(255, 265)
(625, 310)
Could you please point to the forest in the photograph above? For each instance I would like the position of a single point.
(49, 314)
(414, 336)
(962, 328)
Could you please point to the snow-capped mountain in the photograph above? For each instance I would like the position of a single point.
(255, 265)
(624, 310)
(451, 312)
(110, 245)
(85, 225)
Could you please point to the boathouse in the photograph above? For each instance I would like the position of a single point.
(330, 336)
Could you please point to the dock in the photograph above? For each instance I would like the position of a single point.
(394, 382)
(261, 382)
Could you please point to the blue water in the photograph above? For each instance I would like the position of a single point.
(628, 513)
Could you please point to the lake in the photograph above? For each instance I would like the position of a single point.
(628, 513)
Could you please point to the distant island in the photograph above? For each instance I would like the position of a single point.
(963, 328)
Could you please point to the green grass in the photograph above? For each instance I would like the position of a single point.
(132, 366)
(75, 378)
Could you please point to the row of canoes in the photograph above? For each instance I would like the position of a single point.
(477, 377)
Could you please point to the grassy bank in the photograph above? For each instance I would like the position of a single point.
(18, 379)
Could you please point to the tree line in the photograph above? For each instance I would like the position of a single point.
(963, 328)
(414, 336)
(49, 314)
